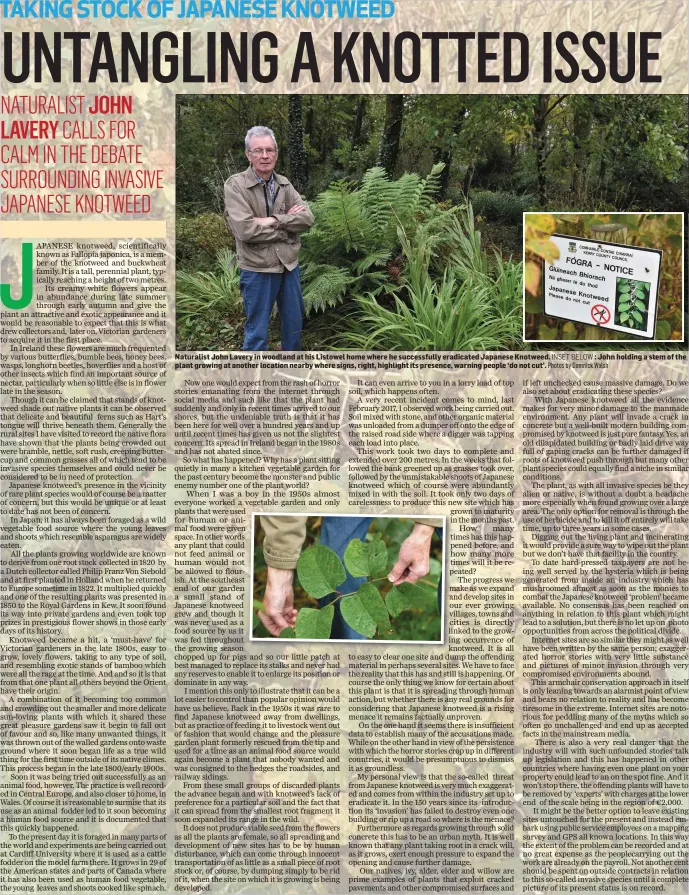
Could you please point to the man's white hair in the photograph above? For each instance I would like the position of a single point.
(259, 131)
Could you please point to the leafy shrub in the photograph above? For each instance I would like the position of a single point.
(356, 233)
(199, 239)
(507, 207)
(208, 306)
(470, 307)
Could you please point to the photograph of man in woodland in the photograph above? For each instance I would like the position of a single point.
(418, 201)
(266, 215)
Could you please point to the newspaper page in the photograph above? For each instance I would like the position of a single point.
(344, 447)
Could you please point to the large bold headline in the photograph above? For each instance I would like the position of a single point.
(353, 57)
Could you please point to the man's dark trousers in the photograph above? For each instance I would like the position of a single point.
(260, 291)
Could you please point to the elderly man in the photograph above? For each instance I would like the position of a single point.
(266, 215)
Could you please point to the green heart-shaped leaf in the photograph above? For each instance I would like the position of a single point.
(315, 624)
(320, 571)
(356, 557)
(378, 556)
(374, 604)
(367, 558)
(356, 615)
(405, 596)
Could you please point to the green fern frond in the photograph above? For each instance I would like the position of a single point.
(326, 287)
(431, 186)
(360, 228)
(375, 259)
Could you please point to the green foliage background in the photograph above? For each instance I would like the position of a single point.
(414, 624)
(502, 154)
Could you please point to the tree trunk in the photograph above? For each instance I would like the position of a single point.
(540, 134)
(446, 155)
(308, 123)
(602, 170)
(468, 177)
(323, 130)
(296, 151)
(392, 132)
(581, 131)
(359, 118)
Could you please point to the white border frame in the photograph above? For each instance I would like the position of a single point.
(637, 342)
(384, 643)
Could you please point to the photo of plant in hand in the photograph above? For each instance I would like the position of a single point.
(347, 578)
(631, 303)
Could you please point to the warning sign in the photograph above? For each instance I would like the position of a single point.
(605, 284)
(600, 314)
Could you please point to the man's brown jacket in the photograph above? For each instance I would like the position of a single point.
(261, 248)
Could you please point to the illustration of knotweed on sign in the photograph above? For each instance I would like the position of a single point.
(321, 573)
(632, 303)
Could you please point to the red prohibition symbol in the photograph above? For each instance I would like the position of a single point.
(600, 314)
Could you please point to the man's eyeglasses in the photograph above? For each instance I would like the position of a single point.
(257, 152)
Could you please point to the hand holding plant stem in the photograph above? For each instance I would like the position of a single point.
(414, 559)
(278, 604)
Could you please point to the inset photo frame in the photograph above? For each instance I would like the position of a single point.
(592, 277)
(347, 578)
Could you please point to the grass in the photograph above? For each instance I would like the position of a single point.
(209, 306)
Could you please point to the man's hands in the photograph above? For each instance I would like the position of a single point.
(278, 603)
(415, 555)
(273, 222)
